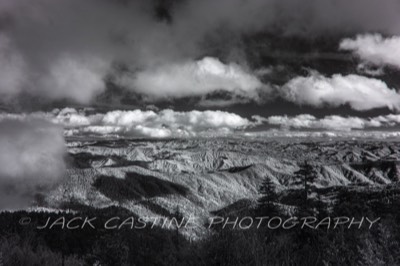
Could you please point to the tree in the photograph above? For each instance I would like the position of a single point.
(306, 176)
(268, 197)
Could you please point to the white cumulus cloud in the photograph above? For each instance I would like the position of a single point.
(333, 122)
(168, 123)
(194, 78)
(360, 93)
(165, 123)
(374, 49)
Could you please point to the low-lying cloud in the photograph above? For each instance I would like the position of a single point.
(359, 92)
(324, 135)
(374, 49)
(32, 158)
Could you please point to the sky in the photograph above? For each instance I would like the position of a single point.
(201, 67)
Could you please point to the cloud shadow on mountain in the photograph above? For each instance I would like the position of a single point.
(136, 187)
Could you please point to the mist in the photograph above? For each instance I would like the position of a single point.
(32, 157)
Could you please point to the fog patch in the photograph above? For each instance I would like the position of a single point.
(32, 160)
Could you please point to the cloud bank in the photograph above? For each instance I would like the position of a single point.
(137, 123)
(307, 121)
(360, 93)
(324, 135)
(32, 158)
(375, 49)
(168, 123)
(172, 124)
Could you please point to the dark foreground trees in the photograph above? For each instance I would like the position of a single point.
(306, 177)
(268, 198)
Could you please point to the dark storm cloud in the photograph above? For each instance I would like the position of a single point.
(293, 16)
(66, 48)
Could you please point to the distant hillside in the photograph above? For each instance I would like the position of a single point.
(154, 178)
